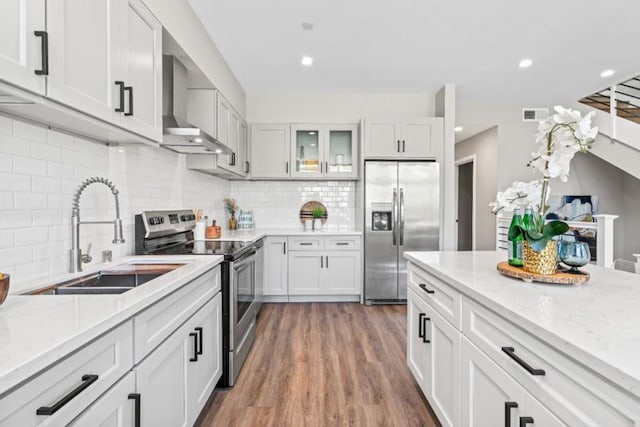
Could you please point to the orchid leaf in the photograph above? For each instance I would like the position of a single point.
(555, 228)
(537, 244)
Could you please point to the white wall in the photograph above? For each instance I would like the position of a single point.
(485, 147)
(335, 108)
(276, 204)
(41, 169)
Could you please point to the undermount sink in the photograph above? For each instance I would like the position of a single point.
(115, 280)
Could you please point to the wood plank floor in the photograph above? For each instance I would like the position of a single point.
(324, 364)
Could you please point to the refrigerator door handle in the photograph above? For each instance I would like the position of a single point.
(394, 221)
(401, 222)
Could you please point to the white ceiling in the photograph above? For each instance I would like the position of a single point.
(415, 46)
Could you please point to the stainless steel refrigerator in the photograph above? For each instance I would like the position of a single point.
(402, 213)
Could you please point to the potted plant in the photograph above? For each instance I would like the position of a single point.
(560, 136)
(317, 213)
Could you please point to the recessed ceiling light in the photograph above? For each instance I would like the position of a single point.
(607, 73)
(525, 63)
(307, 61)
(307, 25)
(458, 129)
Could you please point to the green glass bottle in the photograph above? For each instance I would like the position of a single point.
(514, 243)
(527, 219)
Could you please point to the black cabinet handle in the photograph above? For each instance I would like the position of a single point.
(327, 262)
(306, 244)
(421, 325)
(512, 354)
(130, 90)
(403, 145)
(321, 261)
(398, 149)
(195, 347)
(246, 165)
(424, 288)
(136, 408)
(120, 84)
(87, 380)
(284, 248)
(525, 420)
(44, 40)
(342, 243)
(286, 167)
(508, 406)
(199, 331)
(425, 319)
(232, 162)
(326, 167)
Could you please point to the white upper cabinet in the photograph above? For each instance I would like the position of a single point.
(85, 54)
(269, 151)
(22, 52)
(421, 138)
(223, 120)
(324, 151)
(143, 72)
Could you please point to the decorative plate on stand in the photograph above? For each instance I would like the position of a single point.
(306, 211)
(560, 278)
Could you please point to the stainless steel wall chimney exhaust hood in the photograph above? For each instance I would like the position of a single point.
(178, 134)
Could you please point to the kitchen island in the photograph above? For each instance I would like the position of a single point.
(568, 354)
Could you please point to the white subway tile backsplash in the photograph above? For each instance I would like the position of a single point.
(6, 162)
(30, 236)
(6, 239)
(6, 200)
(29, 165)
(16, 255)
(29, 131)
(45, 151)
(14, 182)
(6, 126)
(11, 219)
(61, 140)
(30, 200)
(45, 184)
(17, 146)
(46, 217)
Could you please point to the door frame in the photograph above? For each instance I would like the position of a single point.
(459, 162)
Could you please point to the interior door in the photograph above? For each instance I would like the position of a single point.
(419, 213)
(380, 235)
(85, 39)
(20, 49)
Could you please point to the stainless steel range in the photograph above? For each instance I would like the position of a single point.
(171, 233)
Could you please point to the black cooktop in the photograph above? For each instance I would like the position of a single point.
(230, 250)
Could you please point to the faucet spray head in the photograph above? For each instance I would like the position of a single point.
(117, 231)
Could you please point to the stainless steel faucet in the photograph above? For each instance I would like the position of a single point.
(75, 254)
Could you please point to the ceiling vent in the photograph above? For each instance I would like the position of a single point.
(534, 114)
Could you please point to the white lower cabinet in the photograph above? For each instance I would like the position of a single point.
(492, 398)
(315, 268)
(275, 266)
(433, 355)
(118, 407)
(176, 379)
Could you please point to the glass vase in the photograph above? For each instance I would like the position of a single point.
(233, 223)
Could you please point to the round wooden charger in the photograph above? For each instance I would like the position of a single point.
(306, 211)
(560, 278)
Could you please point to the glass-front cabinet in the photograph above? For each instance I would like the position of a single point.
(324, 151)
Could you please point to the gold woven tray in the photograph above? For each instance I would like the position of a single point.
(560, 278)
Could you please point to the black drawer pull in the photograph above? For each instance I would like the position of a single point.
(420, 325)
(199, 331)
(403, 145)
(512, 354)
(120, 84)
(424, 288)
(398, 149)
(87, 380)
(525, 420)
(508, 406)
(44, 40)
(306, 244)
(136, 408)
(342, 243)
(233, 159)
(195, 347)
(130, 90)
(246, 166)
(424, 329)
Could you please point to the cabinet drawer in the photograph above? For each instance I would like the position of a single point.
(109, 358)
(571, 391)
(306, 243)
(342, 243)
(446, 300)
(156, 323)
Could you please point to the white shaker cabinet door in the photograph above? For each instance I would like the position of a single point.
(142, 59)
(422, 138)
(85, 39)
(382, 139)
(306, 272)
(418, 351)
(275, 266)
(162, 382)
(205, 372)
(21, 50)
(269, 151)
(343, 273)
(116, 408)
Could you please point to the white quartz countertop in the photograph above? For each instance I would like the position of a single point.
(38, 330)
(597, 324)
(252, 235)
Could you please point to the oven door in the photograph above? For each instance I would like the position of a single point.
(242, 297)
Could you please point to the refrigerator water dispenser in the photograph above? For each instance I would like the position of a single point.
(381, 217)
